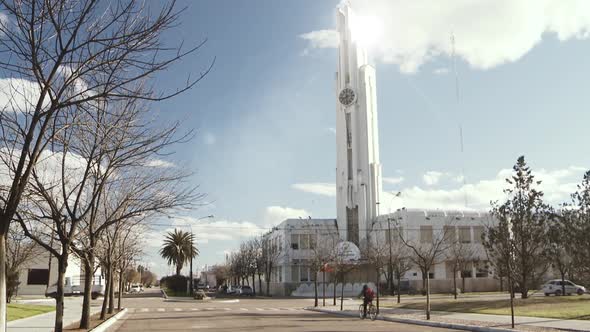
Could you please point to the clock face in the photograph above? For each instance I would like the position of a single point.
(347, 96)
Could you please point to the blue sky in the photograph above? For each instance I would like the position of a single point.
(264, 116)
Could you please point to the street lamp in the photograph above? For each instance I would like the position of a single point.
(191, 291)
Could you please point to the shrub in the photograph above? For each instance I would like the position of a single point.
(174, 283)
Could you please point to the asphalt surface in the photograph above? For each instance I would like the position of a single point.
(157, 314)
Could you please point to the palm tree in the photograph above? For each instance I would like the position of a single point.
(177, 248)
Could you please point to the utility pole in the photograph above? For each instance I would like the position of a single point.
(191, 283)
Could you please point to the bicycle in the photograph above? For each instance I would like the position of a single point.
(371, 311)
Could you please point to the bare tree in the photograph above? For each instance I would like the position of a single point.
(322, 246)
(20, 250)
(428, 249)
(461, 257)
(65, 54)
(271, 252)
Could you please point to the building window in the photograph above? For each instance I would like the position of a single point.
(304, 241)
(38, 277)
(303, 273)
(467, 271)
(425, 234)
(449, 234)
(482, 270)
(280, 274)
(295, 241)
(312, 241)
(465, 234)
(477, 234)
(431, 275)
(294, 273)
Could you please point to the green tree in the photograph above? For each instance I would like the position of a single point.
(520, 234)
(178, 248)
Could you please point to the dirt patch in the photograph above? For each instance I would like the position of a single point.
(94, 322)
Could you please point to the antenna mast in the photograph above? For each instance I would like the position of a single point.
(457, 100)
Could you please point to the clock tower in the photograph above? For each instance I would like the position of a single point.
(358, 172)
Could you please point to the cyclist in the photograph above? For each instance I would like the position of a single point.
(368, 296)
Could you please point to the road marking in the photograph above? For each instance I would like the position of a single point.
(229, 301)
(274, 309)
(226, 309)
(199, 327)
(244, 309)
(195, 309)
(161, 309)
(145, 310)
(177, 309)
(259, 309)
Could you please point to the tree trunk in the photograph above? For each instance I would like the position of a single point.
(463, 282)
(399, 288)
(88, 274)
(511, 298)
(390, 279)
(178, 268)
(260, 284)
(254, 283)
(427, 296)
(324, 288)
(103, 310)
(378, 292)
(120, 289)
(501, 284)
(3, 297)
(112, 292)
(62, 263)
(455, 284)
(335, 284)
(315, 288)
(341, 295)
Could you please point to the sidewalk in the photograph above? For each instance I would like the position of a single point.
(46, 322)
(476, 320)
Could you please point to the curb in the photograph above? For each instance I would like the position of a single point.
(102, 327)
(421, 322)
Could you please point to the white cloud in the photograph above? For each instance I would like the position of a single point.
(557, 185)
(395, 180)
(209, 139)
(332, 130)
(18, 95)
(276, 214)
(320, 188)
(159, 163)
(321, 38)
(487, 33)
(432, 177)
(441, 71)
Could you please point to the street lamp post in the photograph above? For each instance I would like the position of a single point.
(192, 289)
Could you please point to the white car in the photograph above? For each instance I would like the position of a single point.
(135, 289)
(72, 290)
(555, 287)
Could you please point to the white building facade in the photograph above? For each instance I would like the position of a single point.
(358, 190)
(358, 172)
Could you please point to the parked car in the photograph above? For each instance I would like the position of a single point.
(74, 290)
(135, 289)
(232, 289)
(555, 287)
(245, 291)
(202, 286)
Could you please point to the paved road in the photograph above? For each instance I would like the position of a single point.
(152, 314)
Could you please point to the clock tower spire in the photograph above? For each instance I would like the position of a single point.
(358, 172)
